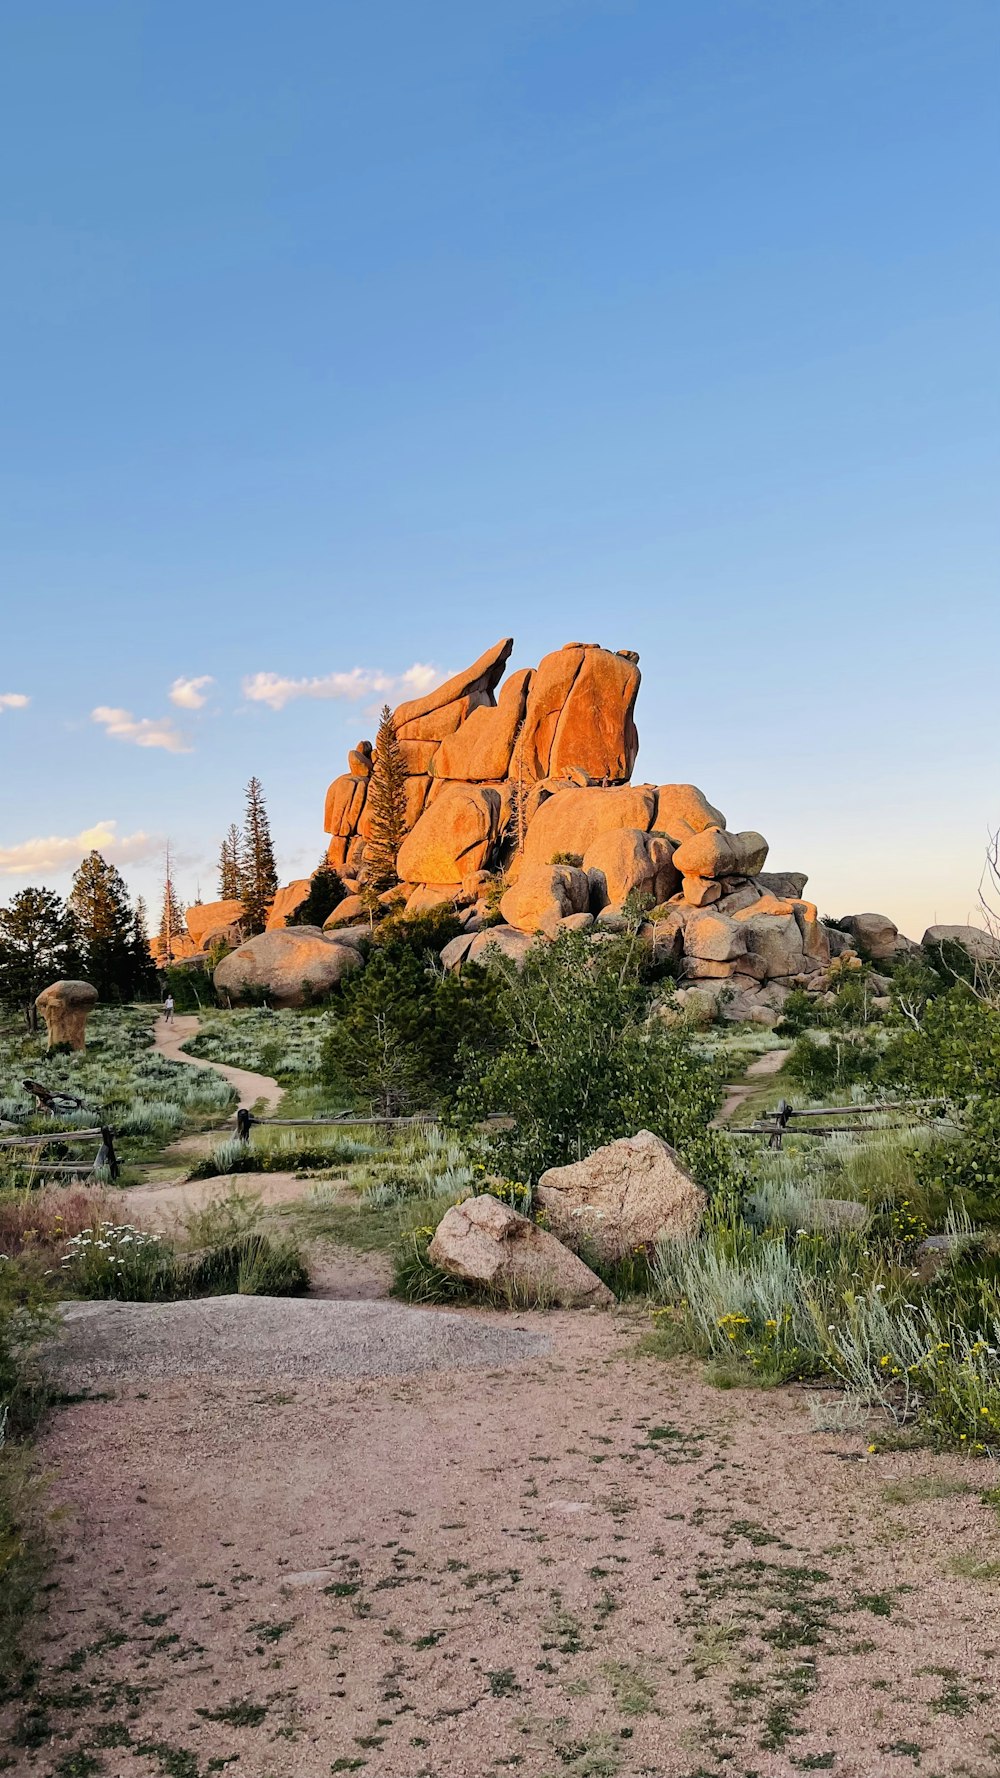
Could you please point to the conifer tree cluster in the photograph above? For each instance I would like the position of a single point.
(231, 865)
(96, 934)
(247, 870)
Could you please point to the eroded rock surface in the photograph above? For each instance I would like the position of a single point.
(487, 1243)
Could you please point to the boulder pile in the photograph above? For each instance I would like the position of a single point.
(523, 789)
(520, 805)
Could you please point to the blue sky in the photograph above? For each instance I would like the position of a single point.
(345, 336)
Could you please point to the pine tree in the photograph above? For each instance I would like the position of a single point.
(99, 902)
(37, 947)
(172, 924)
(230, 865)
(258, 871)
(326, 891)
(386, 805)
(144, 983)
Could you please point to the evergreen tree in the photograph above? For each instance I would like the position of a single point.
(100, 905)
(37, 947)
(326, 891)
(144, 983)
(258, 872)
(172, 924)
(386, 805)
(230, 865)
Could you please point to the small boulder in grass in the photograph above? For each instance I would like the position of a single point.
(628, 1194)
(486, 1243)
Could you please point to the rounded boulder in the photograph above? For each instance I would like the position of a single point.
(292, 966)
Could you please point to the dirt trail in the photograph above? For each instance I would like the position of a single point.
(737, 1095)
(582, 1562)
(250, 1087)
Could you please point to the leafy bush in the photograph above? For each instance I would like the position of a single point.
(117, 1260)
(955, 1052)
(582, 1063)
(832, 1064)
(967, 1167)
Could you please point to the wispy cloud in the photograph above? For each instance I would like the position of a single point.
(357, 684)
(13, 700)
(60, 852)
(191, 694)
(140, 731)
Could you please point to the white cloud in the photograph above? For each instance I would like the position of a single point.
(65, 852)
(359, 683)
(13, 700)
(141, 731)
(190, 694)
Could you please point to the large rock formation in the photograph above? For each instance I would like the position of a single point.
(488, 1244)
(527, 781)
(291, 967)
(65, 1007)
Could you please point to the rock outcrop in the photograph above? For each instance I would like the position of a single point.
(486, 1243)
(982, 946)
(204, 919)
(65, 1007)
(523, 786)
(631, 1193)
(291, 966)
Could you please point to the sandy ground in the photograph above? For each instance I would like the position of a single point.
(341, 1535)
(578, 1561)
(770, 1063)
(250, 1087)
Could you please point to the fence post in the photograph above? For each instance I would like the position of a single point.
(106, 1156)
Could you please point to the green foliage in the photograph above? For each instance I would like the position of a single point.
(386, 805)
(400, 1026)
(26, 1318)
(831, 1064)
(112, 940)
(38, 946)
(258, 871)
(954, 1054)
(799, 1013)
(115, 1260)
(190, 989)
(967, 1167)
(231, 865)
(581, 1063)
(326, 892)
(573, 858)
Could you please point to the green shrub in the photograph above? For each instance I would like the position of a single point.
(400, 1027)
(832, 1064)
(117, 1260)
(573, 858)
(114, 1260)
(251, 1264)
(582, 1063)
(954, 1054)
(326, 892)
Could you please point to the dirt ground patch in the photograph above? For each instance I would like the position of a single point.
(585, 1563)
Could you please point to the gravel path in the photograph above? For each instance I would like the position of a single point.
(771, 1063)
(249, 1337)
(585, 1564)
(251, 1087)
